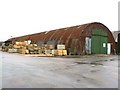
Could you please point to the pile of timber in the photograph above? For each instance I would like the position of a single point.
(45, 50)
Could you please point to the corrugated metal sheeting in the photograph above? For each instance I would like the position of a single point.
(72, 37)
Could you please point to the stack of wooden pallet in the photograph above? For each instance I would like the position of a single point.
(60, 51)
(46, 49)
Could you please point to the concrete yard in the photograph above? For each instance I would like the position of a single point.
(19, 71)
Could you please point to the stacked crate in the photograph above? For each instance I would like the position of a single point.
(12, 50)
(21, 46)
(45, 49)
(60, 51)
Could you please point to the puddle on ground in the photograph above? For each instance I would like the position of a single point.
(82, 62)
(91, 63)
(112, 59)
(94, 71)
(96, 63)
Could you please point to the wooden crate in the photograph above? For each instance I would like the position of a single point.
(64, 52)
(23, 51)
(16, 46)
(60, 52)
(54, 52)
(48, 51)
(61, 47)
(12, 50)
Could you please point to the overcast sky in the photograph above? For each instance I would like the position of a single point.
(22, 17)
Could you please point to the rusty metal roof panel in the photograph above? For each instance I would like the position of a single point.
(48, 35)
(58, 34)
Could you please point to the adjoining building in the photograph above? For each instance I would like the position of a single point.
(119, 43)
(116, 35)
(91, 38)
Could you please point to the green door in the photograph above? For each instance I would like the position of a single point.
(95, 42)
(99, 42)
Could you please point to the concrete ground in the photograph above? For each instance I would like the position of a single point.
(19, 71)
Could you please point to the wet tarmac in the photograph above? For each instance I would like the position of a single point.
(19, 71)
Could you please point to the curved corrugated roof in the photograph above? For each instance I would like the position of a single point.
(62, 34)
(57, 34)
